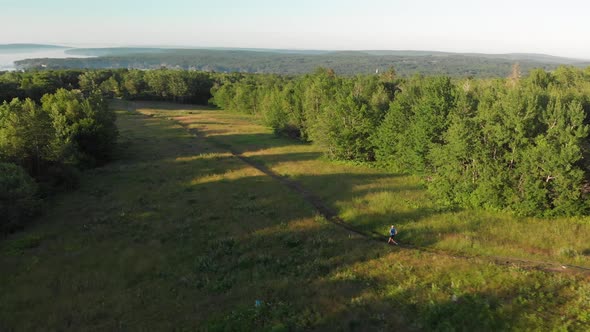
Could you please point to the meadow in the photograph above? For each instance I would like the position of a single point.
(179, 233)
(372, 199)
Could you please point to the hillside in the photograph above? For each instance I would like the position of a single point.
(302, 61)
(187, 230)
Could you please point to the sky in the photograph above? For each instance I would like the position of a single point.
(499, 26)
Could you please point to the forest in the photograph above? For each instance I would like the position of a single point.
(49, 131)
(518, 144)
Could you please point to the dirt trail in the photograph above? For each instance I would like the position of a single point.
(332, 216)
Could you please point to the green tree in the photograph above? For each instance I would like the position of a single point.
(18, 201)
(157, 82)
(133, 84)
(177, 85)
(26, 135)
(417, 120)
(85, 129)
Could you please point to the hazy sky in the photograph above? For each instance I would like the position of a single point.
(499, 26)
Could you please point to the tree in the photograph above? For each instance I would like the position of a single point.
(520, 150)
(344, 125)
(550, 175)
(133, 84)
(416, 121)
(157, 82)
(177, 85)
(92, 80)
(26, 135)
(18, 201)
(85, 129)
(110, 87)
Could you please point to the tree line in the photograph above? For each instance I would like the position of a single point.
(43, 144)
(161, 85)
(517, 144)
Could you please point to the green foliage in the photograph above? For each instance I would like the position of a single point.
(345, 124)
(34, 84)
(415, 123)
(91, 81)
(26, 135)
(276, 112)
(163, 84)
(133, 84)
(335, 112)
(84, 127)
(516, 144)
(519, 148)
(68, 130)
(18, 201)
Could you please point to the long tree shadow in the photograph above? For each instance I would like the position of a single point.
(159, 105)
(249, 137)
(251, 142)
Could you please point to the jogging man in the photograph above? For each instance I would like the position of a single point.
(392, 234)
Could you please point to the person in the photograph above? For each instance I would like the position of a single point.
(392, 234)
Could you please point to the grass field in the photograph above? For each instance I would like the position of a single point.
(373, 199)
(179, 234)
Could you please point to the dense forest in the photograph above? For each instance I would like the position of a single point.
(518, 143)
(165, 85)
(292, 62)
(48, 132)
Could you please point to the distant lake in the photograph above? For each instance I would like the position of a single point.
(7, 57)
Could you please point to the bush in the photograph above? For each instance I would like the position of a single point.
(84, 127)
(18, 200)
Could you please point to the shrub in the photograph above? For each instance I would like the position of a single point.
(84, 127)
(18, 201)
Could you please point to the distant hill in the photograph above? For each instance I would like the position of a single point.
(114, 51)
(293, 62)
(120, 51)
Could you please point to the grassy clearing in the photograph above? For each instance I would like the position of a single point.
(373, 199)
(179, 234)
